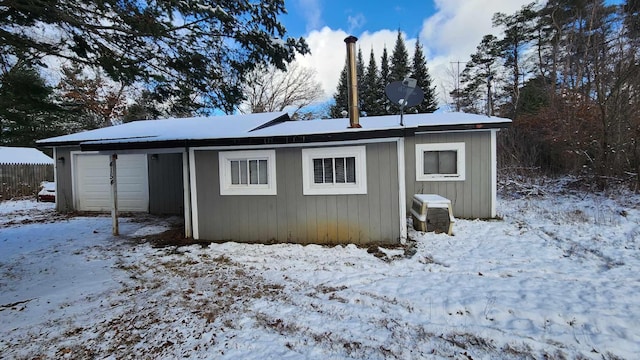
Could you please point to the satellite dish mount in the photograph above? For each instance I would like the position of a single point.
(405, 93)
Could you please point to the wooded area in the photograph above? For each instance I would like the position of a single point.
(568, 74)
(373, 80)
(129, 60)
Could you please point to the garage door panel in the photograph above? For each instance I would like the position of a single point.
(92, 182)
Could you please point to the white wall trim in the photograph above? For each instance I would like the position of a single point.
(452, 131)
(224, 172)
(299, 145)
(402, 201)
(188, 226)
(194, 194)
(459, 147)
(141, 151)
(55, 176)
(494, 172)
(360, 186)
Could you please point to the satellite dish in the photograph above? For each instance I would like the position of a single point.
(405, 93)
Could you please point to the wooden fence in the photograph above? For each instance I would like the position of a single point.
(17, 180)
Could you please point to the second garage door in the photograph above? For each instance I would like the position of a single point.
(92, 190)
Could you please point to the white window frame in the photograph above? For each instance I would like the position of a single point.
(311, 188)
(458, 147)
(224, 166)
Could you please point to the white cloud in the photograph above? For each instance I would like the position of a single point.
(312, 12)
(451, 34)
(356, 21)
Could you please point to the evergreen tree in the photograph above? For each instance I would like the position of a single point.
(372, 91)
(341, 97)
(385, 73)
(145, 107)
(399, 60)
(518, 34)
(478, 77)
(27, 110)
(194, 46)
(421, 74)
(360, 71)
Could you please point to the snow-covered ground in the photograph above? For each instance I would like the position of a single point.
(557, 278)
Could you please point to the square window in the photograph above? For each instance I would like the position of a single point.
(336, 170)
(440, 162)
(247, 172)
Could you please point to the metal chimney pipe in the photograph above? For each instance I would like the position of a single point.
(352, 83)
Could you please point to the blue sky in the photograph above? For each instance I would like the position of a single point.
(356, 16)
(449, 31)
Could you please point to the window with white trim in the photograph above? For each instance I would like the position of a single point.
(440, 162)
(334, 171)
(249, 172)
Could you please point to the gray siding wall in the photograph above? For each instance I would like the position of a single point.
(64, 184)
(470, 198)
(166, 191)
(291, 216)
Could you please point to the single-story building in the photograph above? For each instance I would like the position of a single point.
(266, 178)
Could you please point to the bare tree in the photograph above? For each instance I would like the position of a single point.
(270, 89)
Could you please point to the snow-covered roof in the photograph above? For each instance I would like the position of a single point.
(263, 125)
(23, 155)
(375, 123)
(194, 128)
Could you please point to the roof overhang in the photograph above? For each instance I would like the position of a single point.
(280, 130)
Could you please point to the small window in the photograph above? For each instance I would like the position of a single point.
(440, 162)
(340, 170)
(247, 172)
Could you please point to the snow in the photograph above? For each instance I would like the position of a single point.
(248, 126)
(213, 127)
(22, 155)
(557, 278)
(372, 123)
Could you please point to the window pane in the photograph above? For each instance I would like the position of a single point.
(243, 171)
(262, 170)
(448, 162)
(340, 178)
(328, 170)
(235, 172)
(253, 171)
(318, 175)
(351, 169)
(430, 159)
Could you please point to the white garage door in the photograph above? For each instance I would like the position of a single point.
(92, 187)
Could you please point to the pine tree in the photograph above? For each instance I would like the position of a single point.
(197, 46)
(27, 109)
(341, 97)
(385, 72)
(372, 92)
(360, 76)
(478, 76)
(399, 60)
(421, 74)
